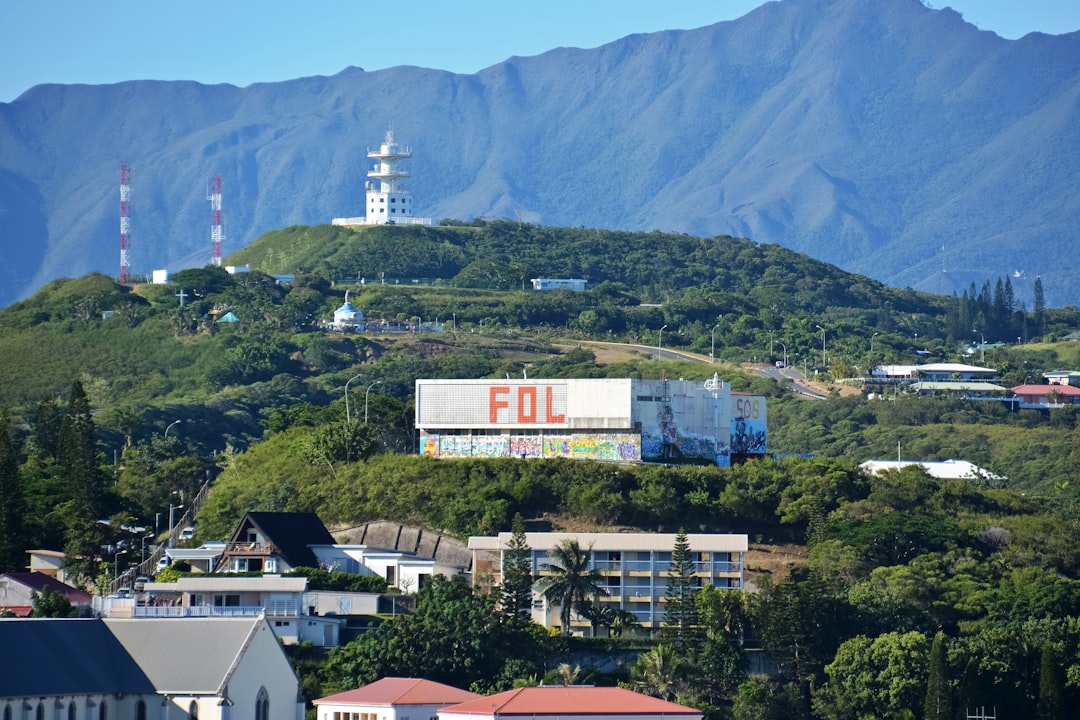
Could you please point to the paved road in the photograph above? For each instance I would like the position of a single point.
(795, 380)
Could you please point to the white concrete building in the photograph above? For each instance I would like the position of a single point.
(634, 567)
(620, 420)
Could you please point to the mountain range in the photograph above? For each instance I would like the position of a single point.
(888, 138)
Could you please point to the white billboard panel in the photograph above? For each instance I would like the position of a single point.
(522, 404)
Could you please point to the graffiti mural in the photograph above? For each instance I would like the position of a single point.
(527, 446)
(558, 446)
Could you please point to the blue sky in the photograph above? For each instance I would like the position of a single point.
(246, 41)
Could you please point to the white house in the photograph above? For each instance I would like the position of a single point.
(633, 567)
(569, 702)
(283, 601)
(173, 669)
(392, 698)
(404, 570)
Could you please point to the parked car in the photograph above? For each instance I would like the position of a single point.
(140, 583)
(187, 533)
(163, 562)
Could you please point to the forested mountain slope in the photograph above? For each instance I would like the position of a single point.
(887, 138)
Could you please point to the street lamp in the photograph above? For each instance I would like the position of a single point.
(712, 346)
(116, 567)
(822, 344)
(872, 342)
(660, 343)
(174, 422)
(172, 523)
(785, 353)
(142, 553)
(348, 418)
(377, 382)
(455, 322)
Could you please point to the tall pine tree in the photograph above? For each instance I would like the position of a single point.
(680, 606)
(79, 464)
(938, 691)
(517, 577)
(12, 504)
(1051, 705)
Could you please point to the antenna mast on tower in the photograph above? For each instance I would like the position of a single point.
(125, 223)
(217, 234)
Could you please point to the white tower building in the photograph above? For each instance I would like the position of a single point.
(387, 200)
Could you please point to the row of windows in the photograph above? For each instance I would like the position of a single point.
(392, 200)
(262, 710)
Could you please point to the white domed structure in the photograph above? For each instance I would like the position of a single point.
(348, 317)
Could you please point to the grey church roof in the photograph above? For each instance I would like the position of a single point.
(185, 655)
(49, 657)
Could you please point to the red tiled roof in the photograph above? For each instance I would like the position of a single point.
(38, 581)
(570, 700)
(401, 691)
(1063, 390)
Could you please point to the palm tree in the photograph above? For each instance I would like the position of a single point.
(572, 582)
(659, 672)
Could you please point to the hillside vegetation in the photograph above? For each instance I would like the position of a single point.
(119, 401)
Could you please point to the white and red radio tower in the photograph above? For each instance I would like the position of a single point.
(125, 223)
(217, 233)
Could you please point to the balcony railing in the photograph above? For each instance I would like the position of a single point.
(172, 611)
(250, 548)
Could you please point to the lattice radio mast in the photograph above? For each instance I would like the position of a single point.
(125, 223)
(217, 233)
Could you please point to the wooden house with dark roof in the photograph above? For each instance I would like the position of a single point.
(274, 542)
(91, 669)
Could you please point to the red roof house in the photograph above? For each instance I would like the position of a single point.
(1046, 396)
(392, 698)
(569, 702)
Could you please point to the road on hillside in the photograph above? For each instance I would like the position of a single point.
(796, 380)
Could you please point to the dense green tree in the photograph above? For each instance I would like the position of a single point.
(50, 604)
(517, 577)
(571, 582)
(760, 698)
(801, 621)
(874, 677)
(455, 636)
(12, 503)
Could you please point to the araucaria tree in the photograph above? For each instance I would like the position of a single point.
(12, 504)
(571, 582)
(680, 607)
(79, 465)
(517, 577)
(938, 692)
